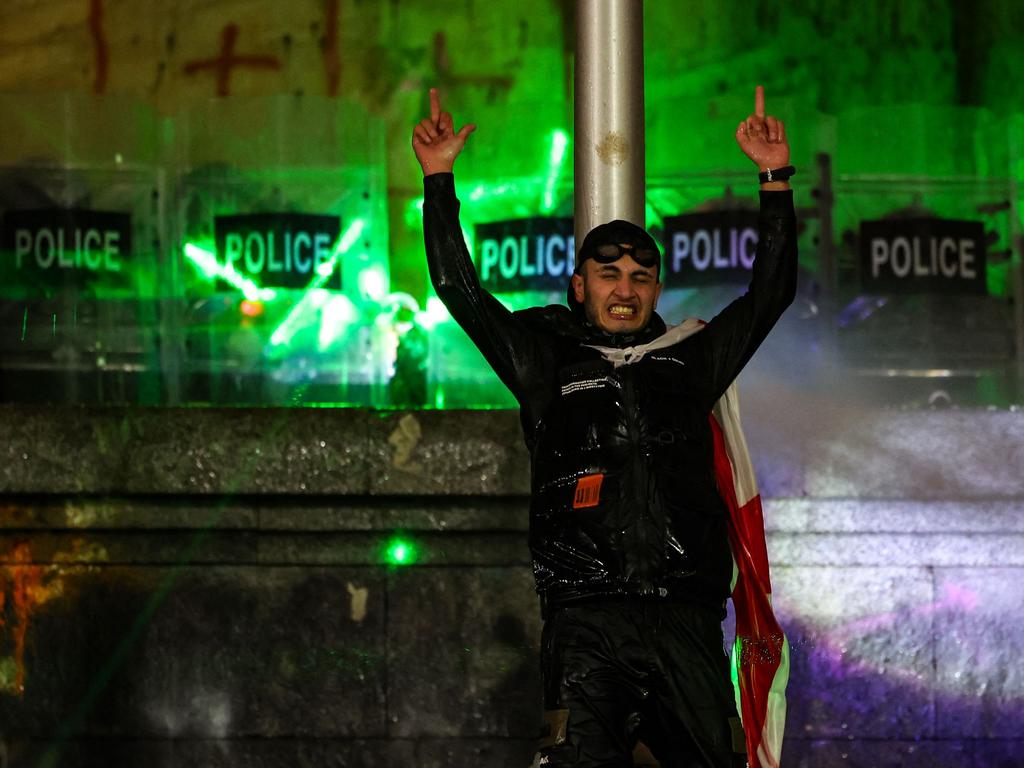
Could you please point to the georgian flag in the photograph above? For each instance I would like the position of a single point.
(760, 660)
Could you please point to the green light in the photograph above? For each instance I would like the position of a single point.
(355, 229)
(414, 213)
(468, 237)
(400, 551)
(338, 313)
(306, 304)
(373, 284)
(654, 218)
(206, 262)
(559, 145)
(734, 672)
(436, 312)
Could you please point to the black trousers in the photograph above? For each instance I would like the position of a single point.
(621, 672)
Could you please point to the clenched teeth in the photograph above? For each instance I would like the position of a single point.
(623, 311)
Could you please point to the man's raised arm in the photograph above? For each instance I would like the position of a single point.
(505, 344)
(736, 332)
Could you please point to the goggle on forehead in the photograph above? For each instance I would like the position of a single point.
(609, 252)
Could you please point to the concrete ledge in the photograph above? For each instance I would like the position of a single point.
(480, 513)
(84, 513)
(818, 451)
(183, 452)
(892, 516)
(885, 549)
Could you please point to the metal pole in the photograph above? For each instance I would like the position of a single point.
(609, 114)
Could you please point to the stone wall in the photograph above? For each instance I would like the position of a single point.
(208, 587)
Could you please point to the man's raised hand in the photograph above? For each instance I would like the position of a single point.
(763, 137)
(435, 141)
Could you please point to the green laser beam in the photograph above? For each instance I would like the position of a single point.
(206, 262)
(287, 328)
(559, 145)
(74, 722)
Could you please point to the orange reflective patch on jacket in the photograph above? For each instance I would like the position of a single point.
(588, 491)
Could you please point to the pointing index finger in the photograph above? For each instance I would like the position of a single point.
(435, 106)
(759, 101)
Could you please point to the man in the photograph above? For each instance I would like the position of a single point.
(628, 529)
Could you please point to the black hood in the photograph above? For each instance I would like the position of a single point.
(614, 232)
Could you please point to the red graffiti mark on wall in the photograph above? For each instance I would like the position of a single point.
(443, 65)
(99, 41)
(27, 592)
(228, 61)
(30, 585)
(332, 56)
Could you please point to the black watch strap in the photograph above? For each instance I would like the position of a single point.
(776, 174)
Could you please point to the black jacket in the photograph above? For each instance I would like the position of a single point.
(656, 524)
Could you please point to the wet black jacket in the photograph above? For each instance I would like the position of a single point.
(656, 525)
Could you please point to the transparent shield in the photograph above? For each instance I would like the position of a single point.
(282, 255)
(82, 280)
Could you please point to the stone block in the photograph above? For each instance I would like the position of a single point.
(457, 453)
(916, 549)
(224, 451)
(49, 450)
(493, 753)
(92, 548)
(869, 753)
(371, 548)
(204, 653)
(359, 548)
(184, 451)
(998, 753)
(393, 513)
(776, 447)
(892, 516)
(217, 753)
(956, 454)
(861, 651)
(463, 654)
(88, 512)
(979, 679)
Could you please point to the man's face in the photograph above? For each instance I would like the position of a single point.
(618, 297)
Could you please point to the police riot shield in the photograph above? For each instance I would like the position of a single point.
(925, 256)
(281, 253)
(925, 286)
(81, 232)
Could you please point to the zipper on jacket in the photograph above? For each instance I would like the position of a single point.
(639, 494)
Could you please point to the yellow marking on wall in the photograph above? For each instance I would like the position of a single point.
(358, 598)
(404, 440)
